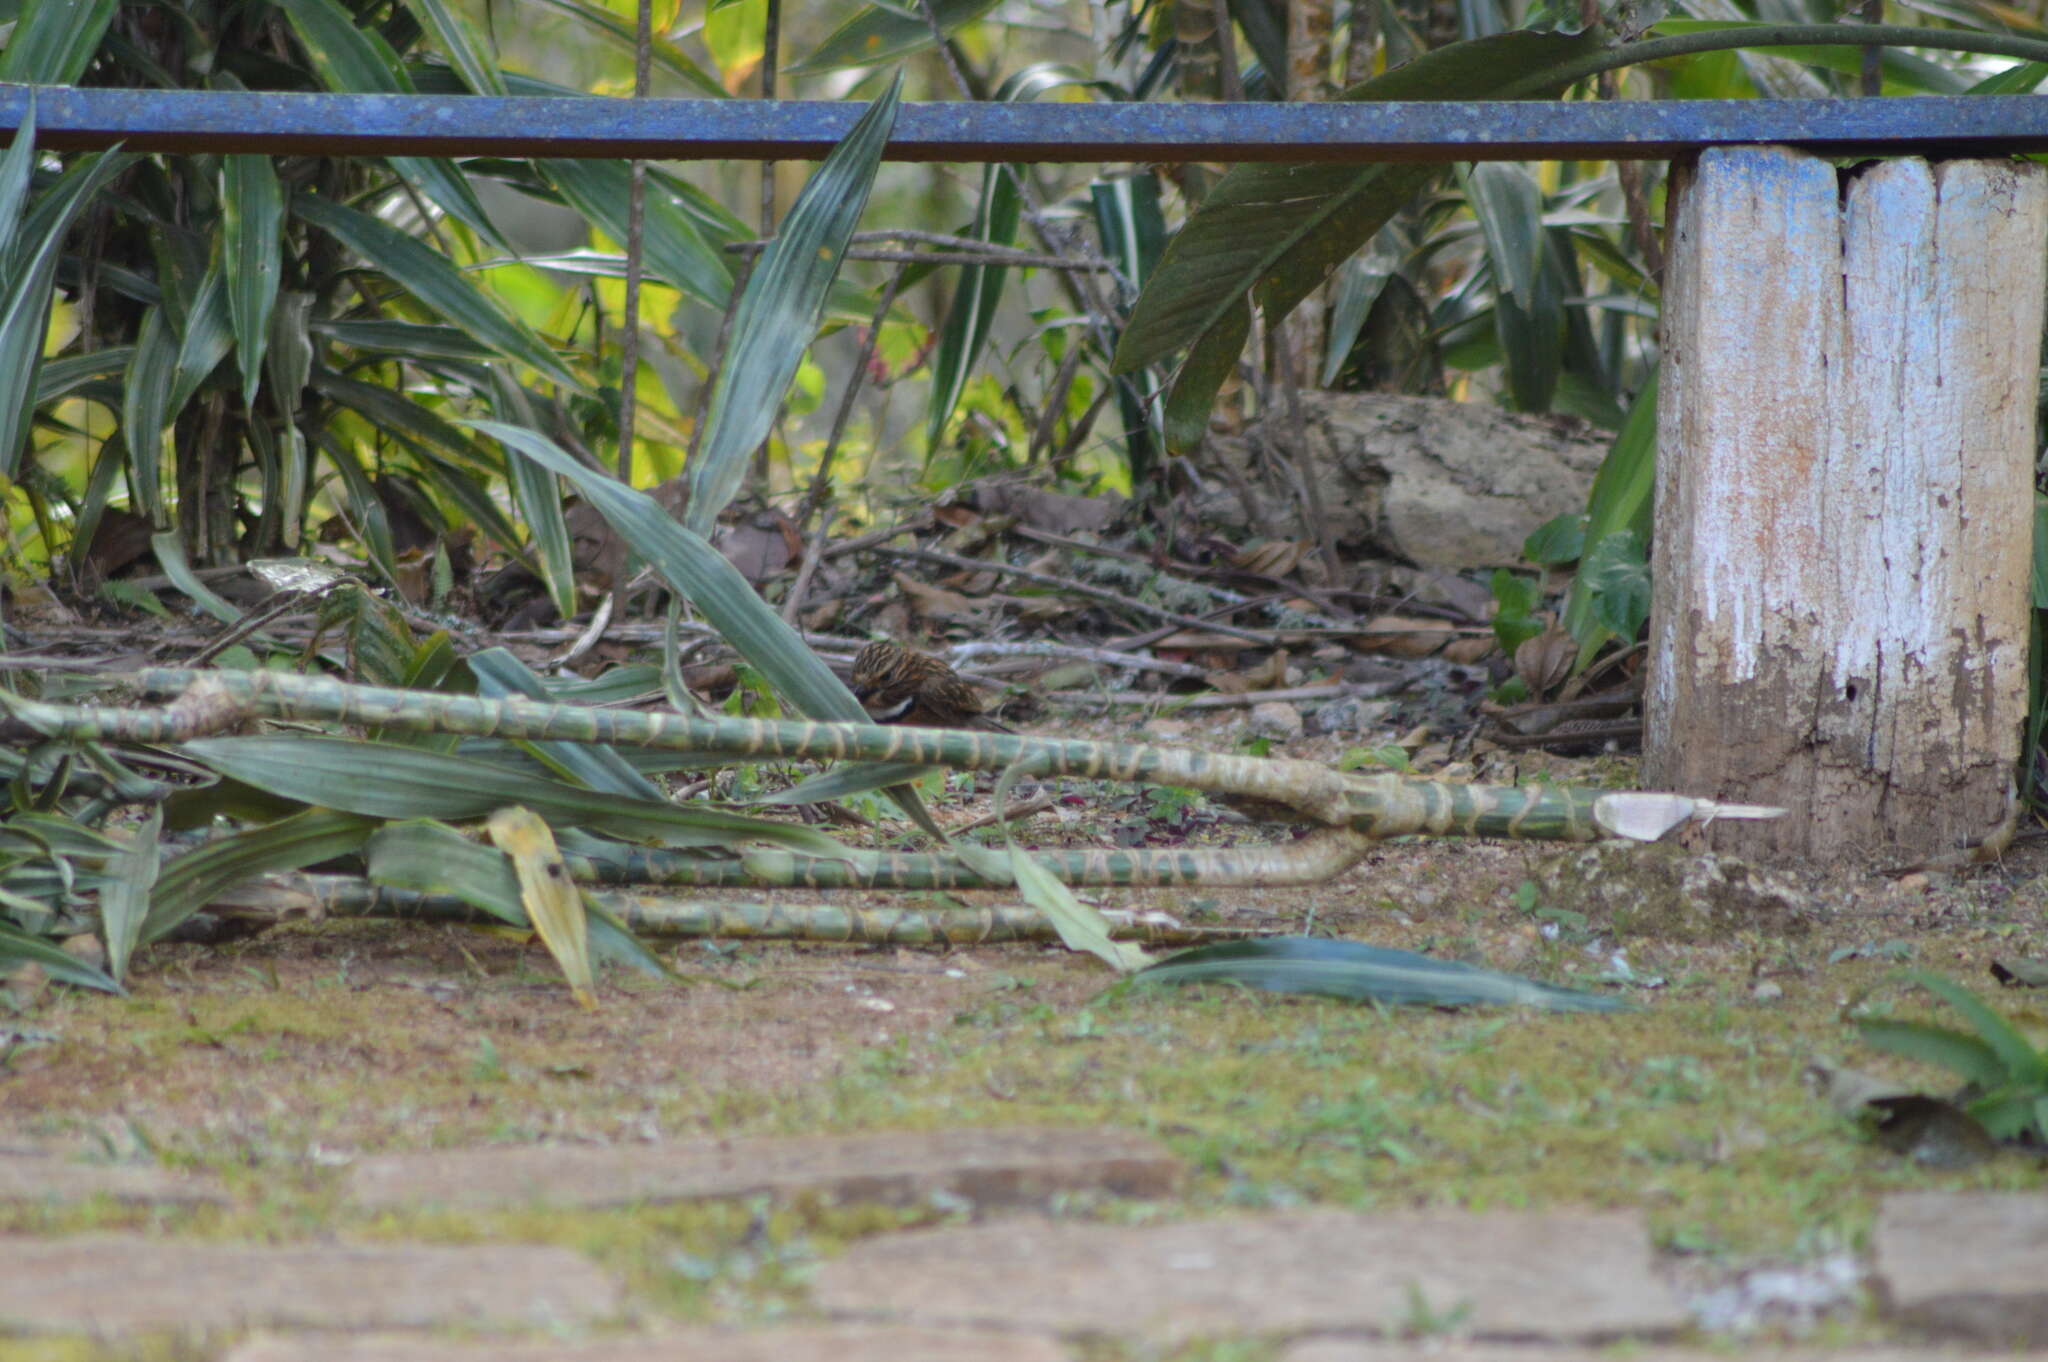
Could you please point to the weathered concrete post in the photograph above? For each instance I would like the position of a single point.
(1845, 497)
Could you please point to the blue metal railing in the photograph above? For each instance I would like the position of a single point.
(70, 118)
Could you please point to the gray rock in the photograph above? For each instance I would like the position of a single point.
(799, 1343)
(1562, 1276)
(119, 1283)
(1436, 482)
(984, 1167)
(1276, 719)
(1970, 1265)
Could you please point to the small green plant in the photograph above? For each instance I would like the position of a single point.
(1391, 755)
(2005, 1076)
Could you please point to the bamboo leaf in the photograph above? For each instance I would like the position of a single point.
(252, 223)
(1620, 500)
(537, 495)
(124, 903)
(15, 173)
(54, 40)
(676, 250)
(1360, 973)
(2023, 1064)
(433, 858)
(974, 303)
(208, 336)
(553, 903)
(438, 285)
(189, 882)
(1080, 927)
(499, 674)
(882, 33)
(354, 61)
(1277, 231)
(385, 781)
(778, 314)
(30, 284)
(700, 574)
(145, 409)
(405, 338)
(169, 547)
(1505, 199)
(18, 947)
(665, 53)
(1966, 1056)
(465, 51)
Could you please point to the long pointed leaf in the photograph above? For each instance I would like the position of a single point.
(54, 40)
(124, 903)
(778, 314)
(353, 61)
(974, 302)
(1362, 973)
(385, 781)
(18, 947)
(1277, 231)
(882, 33)
(2023, 1063)
(252, 219)
(677, 252)
(438, 285)
(499, 675)
(700, 574)
(15, 170)
(188, 883)
(433, 858)
(30, 286)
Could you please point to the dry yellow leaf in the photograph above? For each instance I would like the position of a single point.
(552, 901)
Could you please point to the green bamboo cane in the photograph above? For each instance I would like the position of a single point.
(1379, 806)
(278, 897)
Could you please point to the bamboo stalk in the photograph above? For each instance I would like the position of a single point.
(276, 898)
(1377, 805)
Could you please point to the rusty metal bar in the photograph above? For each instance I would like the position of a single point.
(687, 129)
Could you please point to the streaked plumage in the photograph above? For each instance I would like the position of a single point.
(898, 686)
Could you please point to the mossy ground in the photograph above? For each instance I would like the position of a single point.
(272, 1061)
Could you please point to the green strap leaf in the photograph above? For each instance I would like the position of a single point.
(381, 780)
(124, 903)
(1357, 972)
(700, 574)
(882, 33)
(974, 303)
(54, 41)
(779, 313)
(252, 224)
(18, 947)
(677, 252)
(1276, 231)
(354, 61)
(438, 285)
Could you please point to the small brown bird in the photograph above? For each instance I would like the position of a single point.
(898, 686)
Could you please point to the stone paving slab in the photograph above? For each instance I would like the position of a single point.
(28, 1176)
(823, 1343)
(1347, 1350)
(1968, 1265)
(1566, 1276)
(986, 1167)
(113, 1284)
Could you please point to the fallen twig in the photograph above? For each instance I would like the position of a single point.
(1333, 690)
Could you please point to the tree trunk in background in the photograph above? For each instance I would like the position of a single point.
(1845, 498)
(1308, 81)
